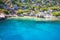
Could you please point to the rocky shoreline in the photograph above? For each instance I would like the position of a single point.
(46, 18)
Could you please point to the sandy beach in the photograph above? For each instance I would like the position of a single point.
(35, 18)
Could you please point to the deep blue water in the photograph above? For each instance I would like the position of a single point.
(14, 29)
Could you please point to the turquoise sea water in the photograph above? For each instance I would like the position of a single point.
(15, 29)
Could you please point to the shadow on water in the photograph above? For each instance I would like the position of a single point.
(12, 37)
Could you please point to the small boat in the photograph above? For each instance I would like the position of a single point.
(2, 17)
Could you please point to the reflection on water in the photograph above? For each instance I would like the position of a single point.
(14, 29)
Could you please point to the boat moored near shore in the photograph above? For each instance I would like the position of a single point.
(2, 16)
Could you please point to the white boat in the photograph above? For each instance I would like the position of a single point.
(2, 15)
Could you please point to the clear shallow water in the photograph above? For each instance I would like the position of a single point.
(14, 29)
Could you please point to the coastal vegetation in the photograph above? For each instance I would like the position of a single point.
(30, 7)
(6, 11)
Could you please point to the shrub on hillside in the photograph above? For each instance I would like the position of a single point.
(56, 13)
(55, 8)
(20, 12)
(6, 12)
(44, 9)
(1, 2)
